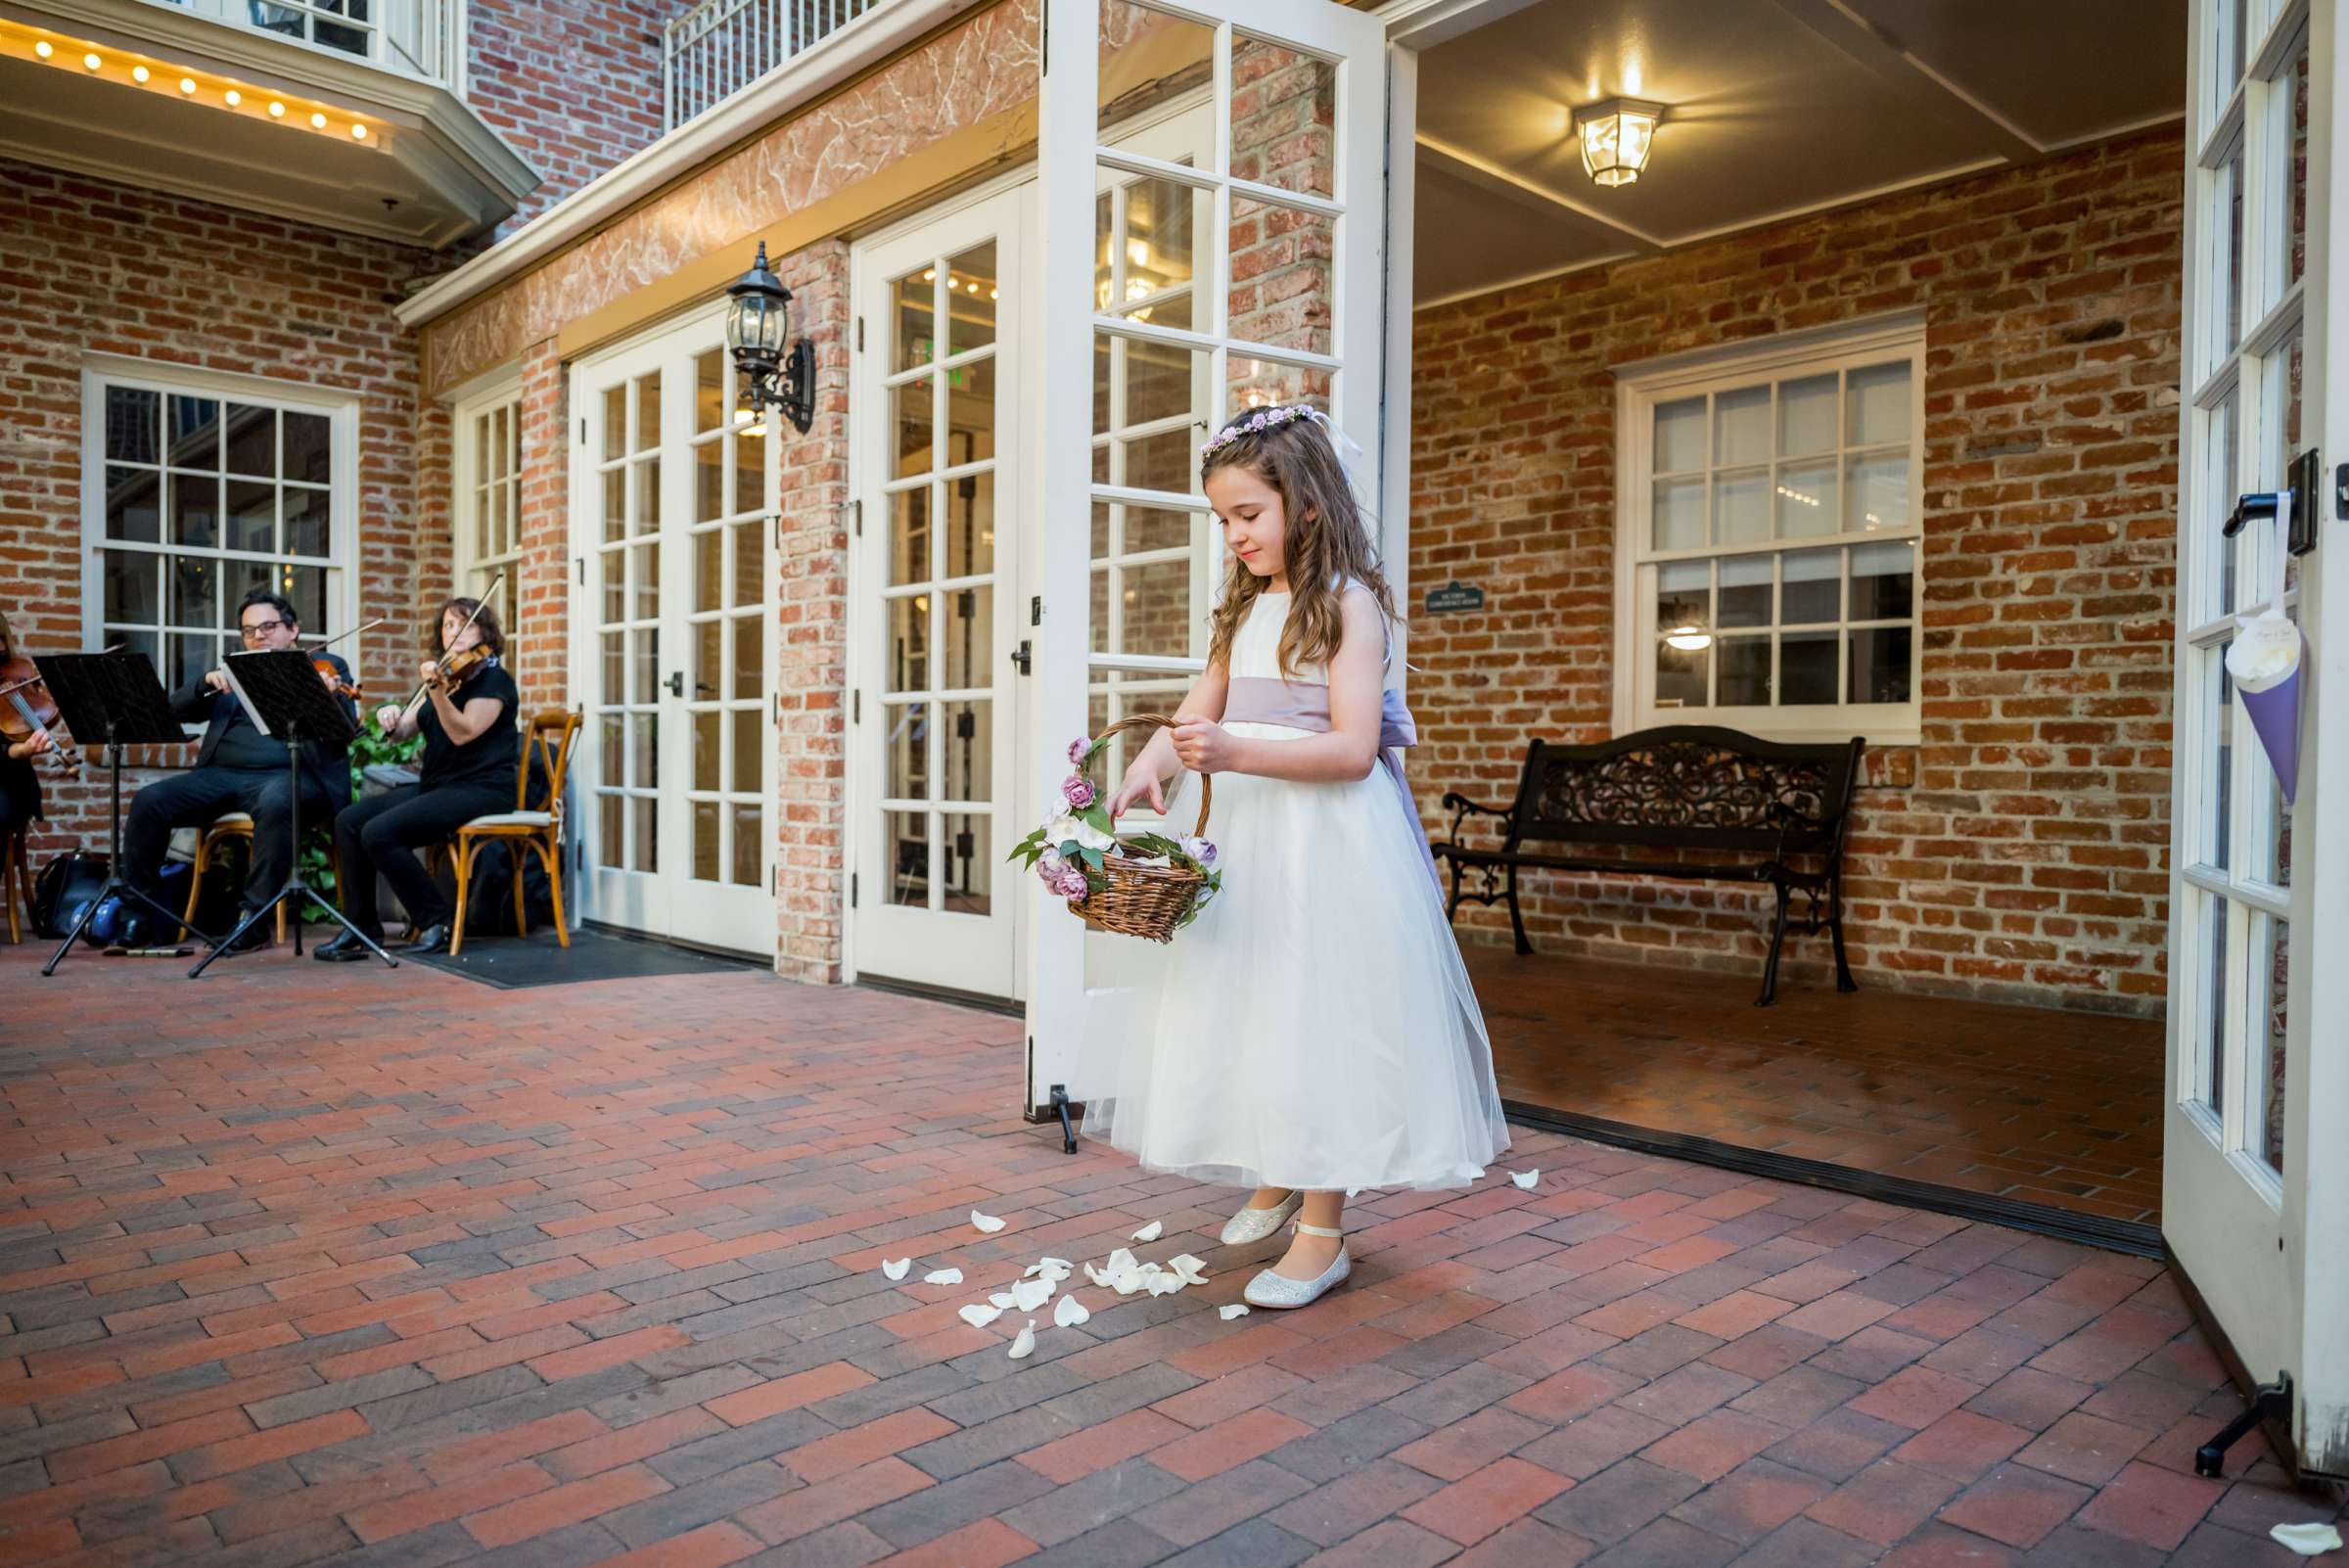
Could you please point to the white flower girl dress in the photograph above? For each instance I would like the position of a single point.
(1313, 1027)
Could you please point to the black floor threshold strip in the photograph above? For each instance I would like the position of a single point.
(2088, 1230)
(1003, 1006)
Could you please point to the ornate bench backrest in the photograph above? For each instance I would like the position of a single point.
(1686, 786)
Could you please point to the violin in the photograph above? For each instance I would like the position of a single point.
(450, 670)
(334, 680)
(27, 708)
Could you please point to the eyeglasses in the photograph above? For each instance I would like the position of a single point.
(253, 630)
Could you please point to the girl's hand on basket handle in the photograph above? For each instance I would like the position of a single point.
(1205, 746)
(1137, 783)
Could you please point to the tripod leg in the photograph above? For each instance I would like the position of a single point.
(73, 936)
(230, 940)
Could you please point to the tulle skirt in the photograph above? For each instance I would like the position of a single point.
(1313, 1027)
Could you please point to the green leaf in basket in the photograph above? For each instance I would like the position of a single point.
(1095, 816)
(1092, 857)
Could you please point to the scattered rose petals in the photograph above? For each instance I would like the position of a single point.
(978, 1316)
(1163, 1284)
(987, 1223)
(1151, 1231)
(943, 1276)
(1119, 1260)
(1068, 1312)
(1025, 1346)
(1525, 1179)
(2308, 1540)
(1189, 1270)
(1057, 1268)
(1232, 1310)
(896, 1269)
(1029, 1294)
(1096, 1276)
(1002, 1299)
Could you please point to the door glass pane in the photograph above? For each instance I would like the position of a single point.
(706, 848)
(616, 422)
(2271, 977)
(648, 412)
(1148, 57)
(709, 482)
(750, 844)
(2215, 1002)
(613, 837)
(707, 737)
(749, 467)
(708, 550)
(749, 563)
(911, 420)
(648, 581)
(970, 869)
(970, 637)
(2229, 281)
(909, 536)
(1148, 268)
(2220, 744)
(644, 751)
(970, 525)
(647, 815)
(648, 496)
(972, 285)
(2293, 88)
(1283, 108)
(906, 662)
(916, 319)
(750, 658)
(907, 745)
(748, 774)
(905, 852)
(1280, 260)
(967, 749)
(709, 410)
(970, 413)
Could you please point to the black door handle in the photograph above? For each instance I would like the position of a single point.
(1021, 656)
(676, 683)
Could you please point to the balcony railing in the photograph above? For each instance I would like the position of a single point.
(720, 47)
(421, 39)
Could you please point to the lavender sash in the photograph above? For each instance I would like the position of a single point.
(1259, 700)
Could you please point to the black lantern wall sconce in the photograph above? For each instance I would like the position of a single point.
(757, 325)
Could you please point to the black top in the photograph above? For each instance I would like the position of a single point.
(326, 761)
(489, 757)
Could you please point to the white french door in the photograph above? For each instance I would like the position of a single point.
(1212, 221)
(936, 615)
(2254, 1177)
(672, 506)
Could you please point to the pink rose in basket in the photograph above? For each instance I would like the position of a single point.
(1201, 850)
(1078, 791)
(1073, 885)
(1077, 750)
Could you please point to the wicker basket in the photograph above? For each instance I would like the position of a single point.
(1145, 900)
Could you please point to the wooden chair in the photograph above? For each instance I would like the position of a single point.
(237, 826)
(15, 879)
(550, 733)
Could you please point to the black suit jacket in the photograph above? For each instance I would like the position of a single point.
(326, 763)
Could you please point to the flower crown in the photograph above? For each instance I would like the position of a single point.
(1263, 419)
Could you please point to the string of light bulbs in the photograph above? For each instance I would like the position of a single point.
(158, 76)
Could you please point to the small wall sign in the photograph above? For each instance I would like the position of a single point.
(1454, 597)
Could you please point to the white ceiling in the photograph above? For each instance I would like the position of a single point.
(1773, 108)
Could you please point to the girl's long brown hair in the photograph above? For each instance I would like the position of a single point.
(1325, 542)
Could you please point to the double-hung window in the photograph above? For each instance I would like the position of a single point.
(488, 497)
(200, 486)
(1770, 522)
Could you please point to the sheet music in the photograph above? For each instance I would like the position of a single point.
(228, 667)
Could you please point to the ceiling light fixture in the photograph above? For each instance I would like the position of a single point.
(1616, 136)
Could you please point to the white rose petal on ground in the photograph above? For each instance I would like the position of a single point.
(1151, 1231)
(1068, 1312)
(1232, 1310)
(1189, 1270)
(1029, 1294)
(1025, 1346)
(943, 1276)
(986, 1223)
(1002, 1299)
(1129, 1280)
(1119, 1260)
(1525, 1179)
(1049, 1266)
(978, 1316)
(2308, 1540)
(1354, 1193)
(1096, 1276)
(1165, 1284)
(896, 1269)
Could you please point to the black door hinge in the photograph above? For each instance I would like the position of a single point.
(1035, 611)
(851, 890)
(856, 706)
(860, 334)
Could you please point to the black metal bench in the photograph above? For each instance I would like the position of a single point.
(1756, 804)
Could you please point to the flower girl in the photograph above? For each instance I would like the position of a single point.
(1314, 1030)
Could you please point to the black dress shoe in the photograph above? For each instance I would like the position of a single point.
(432, 938)
(341, 949)
(255, 935)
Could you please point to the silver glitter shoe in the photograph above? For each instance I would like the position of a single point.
(1255, 1224)
(1274, 1289)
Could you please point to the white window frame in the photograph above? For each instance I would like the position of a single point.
(471, 488)
(1640, 388)
(342, 561)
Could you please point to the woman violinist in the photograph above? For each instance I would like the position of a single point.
(465, 711)
(20, 785)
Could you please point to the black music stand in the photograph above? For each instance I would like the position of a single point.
(284, 698)
(111, 698)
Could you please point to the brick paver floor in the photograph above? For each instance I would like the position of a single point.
(308, 1264)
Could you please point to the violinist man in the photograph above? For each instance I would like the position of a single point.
(238, 768)
(472, 752)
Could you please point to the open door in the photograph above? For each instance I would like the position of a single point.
(2255, 1170)
(1213, 219)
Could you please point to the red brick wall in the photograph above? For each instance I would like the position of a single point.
(573, 85)
(95, 266)
(2028, 858)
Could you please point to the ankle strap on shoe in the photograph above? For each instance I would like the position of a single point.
(1305, 1229)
